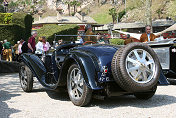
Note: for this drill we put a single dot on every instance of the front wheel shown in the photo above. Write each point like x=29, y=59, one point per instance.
x=79, y=93
x=26, y=78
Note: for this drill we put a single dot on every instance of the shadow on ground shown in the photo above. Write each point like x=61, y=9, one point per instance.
x=60, y=94
x=124, y=101
x=5, y=111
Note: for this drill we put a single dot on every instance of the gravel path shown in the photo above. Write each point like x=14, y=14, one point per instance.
x=15, y=103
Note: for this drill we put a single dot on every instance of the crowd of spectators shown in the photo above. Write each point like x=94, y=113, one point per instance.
x=9, y=52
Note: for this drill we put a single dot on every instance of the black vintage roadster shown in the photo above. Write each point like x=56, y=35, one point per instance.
x=100, y=70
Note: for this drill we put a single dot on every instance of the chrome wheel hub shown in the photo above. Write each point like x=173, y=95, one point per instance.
x=76, y=84
x=23, y=76
x=140, y=66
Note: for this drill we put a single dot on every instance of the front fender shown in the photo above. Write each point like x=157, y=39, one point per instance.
x=36, y=66
x=87, y=66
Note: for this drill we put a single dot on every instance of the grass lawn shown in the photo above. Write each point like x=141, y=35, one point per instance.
x=101, y=14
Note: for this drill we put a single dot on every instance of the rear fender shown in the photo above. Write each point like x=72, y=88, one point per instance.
x=87, y=67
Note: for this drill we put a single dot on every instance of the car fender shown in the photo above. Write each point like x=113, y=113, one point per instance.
x=87, y=66
x=36, y=66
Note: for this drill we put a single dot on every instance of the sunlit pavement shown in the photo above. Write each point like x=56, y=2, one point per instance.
x=15, y=103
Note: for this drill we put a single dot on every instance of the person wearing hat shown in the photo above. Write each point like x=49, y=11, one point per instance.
x=90, y=32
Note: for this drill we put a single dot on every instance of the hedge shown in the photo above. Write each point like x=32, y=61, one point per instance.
x=12, y=33
x=5, y=18
x=117, y=41
x=50, y=30
x=15, y=24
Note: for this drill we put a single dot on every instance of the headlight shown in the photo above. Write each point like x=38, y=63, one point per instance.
x=164, y=56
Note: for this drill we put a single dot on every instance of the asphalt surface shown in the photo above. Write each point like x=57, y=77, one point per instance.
x=41, y=103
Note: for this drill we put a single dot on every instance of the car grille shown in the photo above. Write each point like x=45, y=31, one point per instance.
x=164, y=56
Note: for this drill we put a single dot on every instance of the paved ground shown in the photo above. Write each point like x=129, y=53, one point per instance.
x=14, y=103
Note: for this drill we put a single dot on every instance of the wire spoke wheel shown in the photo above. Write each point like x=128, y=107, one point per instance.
x=78, y=91
x=26, y=78
x=140, y=66
x=76, y=84
x=135, y=67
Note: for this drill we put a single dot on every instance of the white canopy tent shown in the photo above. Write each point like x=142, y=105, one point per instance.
x=137, y=36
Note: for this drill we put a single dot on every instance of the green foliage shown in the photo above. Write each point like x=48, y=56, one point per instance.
x=49, y=31
x=121, y=14
x=25, y=21
x=12, y=33
x=19, y=26
x=1, y=9
x=117, y=41
x=113, y=13
x=5, y=18
x=171, y=10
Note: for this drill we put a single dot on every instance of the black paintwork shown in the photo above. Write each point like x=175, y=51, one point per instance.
x=90, y=58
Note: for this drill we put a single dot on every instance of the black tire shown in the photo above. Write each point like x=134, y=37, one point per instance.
x=123, y=78
x=26, y=78
x=85, y=98
x=145, y=95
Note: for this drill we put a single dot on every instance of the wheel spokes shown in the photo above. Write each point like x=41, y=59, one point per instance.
x=140, y=65
x=137, y=55
x=76, y=83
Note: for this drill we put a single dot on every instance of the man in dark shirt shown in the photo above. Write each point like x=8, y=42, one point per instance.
x=31, y=42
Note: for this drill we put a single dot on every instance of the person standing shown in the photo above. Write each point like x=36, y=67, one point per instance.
x=31, y=42
x=46, y=44
x=1, y=47
x=8, y=50
x=15, y=48
x=39, y=46
x=148, y=36
x=23, y=47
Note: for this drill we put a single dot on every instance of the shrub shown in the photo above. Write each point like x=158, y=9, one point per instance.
x=19, y=26
x=12, y=33
x=121, y=14
x=49, y=31
x=5, y=18
x=117, y=41
x=25, y=21
x=1, y=9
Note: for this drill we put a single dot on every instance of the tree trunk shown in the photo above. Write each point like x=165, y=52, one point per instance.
x=148, y=13
x=69, y=9
x=74, y=9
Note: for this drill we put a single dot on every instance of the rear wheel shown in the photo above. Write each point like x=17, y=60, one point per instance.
x=78, y=91
x=26, y=78
x=145, y=95
x=135, y=67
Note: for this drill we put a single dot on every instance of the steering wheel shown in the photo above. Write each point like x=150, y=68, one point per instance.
x=89, y=42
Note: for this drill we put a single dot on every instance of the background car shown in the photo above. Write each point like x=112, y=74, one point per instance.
x=94, y=70
x=166, y=52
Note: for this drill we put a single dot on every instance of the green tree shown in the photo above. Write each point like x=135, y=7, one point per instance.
x=113, y=13
x=75, y=3
x=69, y=6
x=1, y=9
